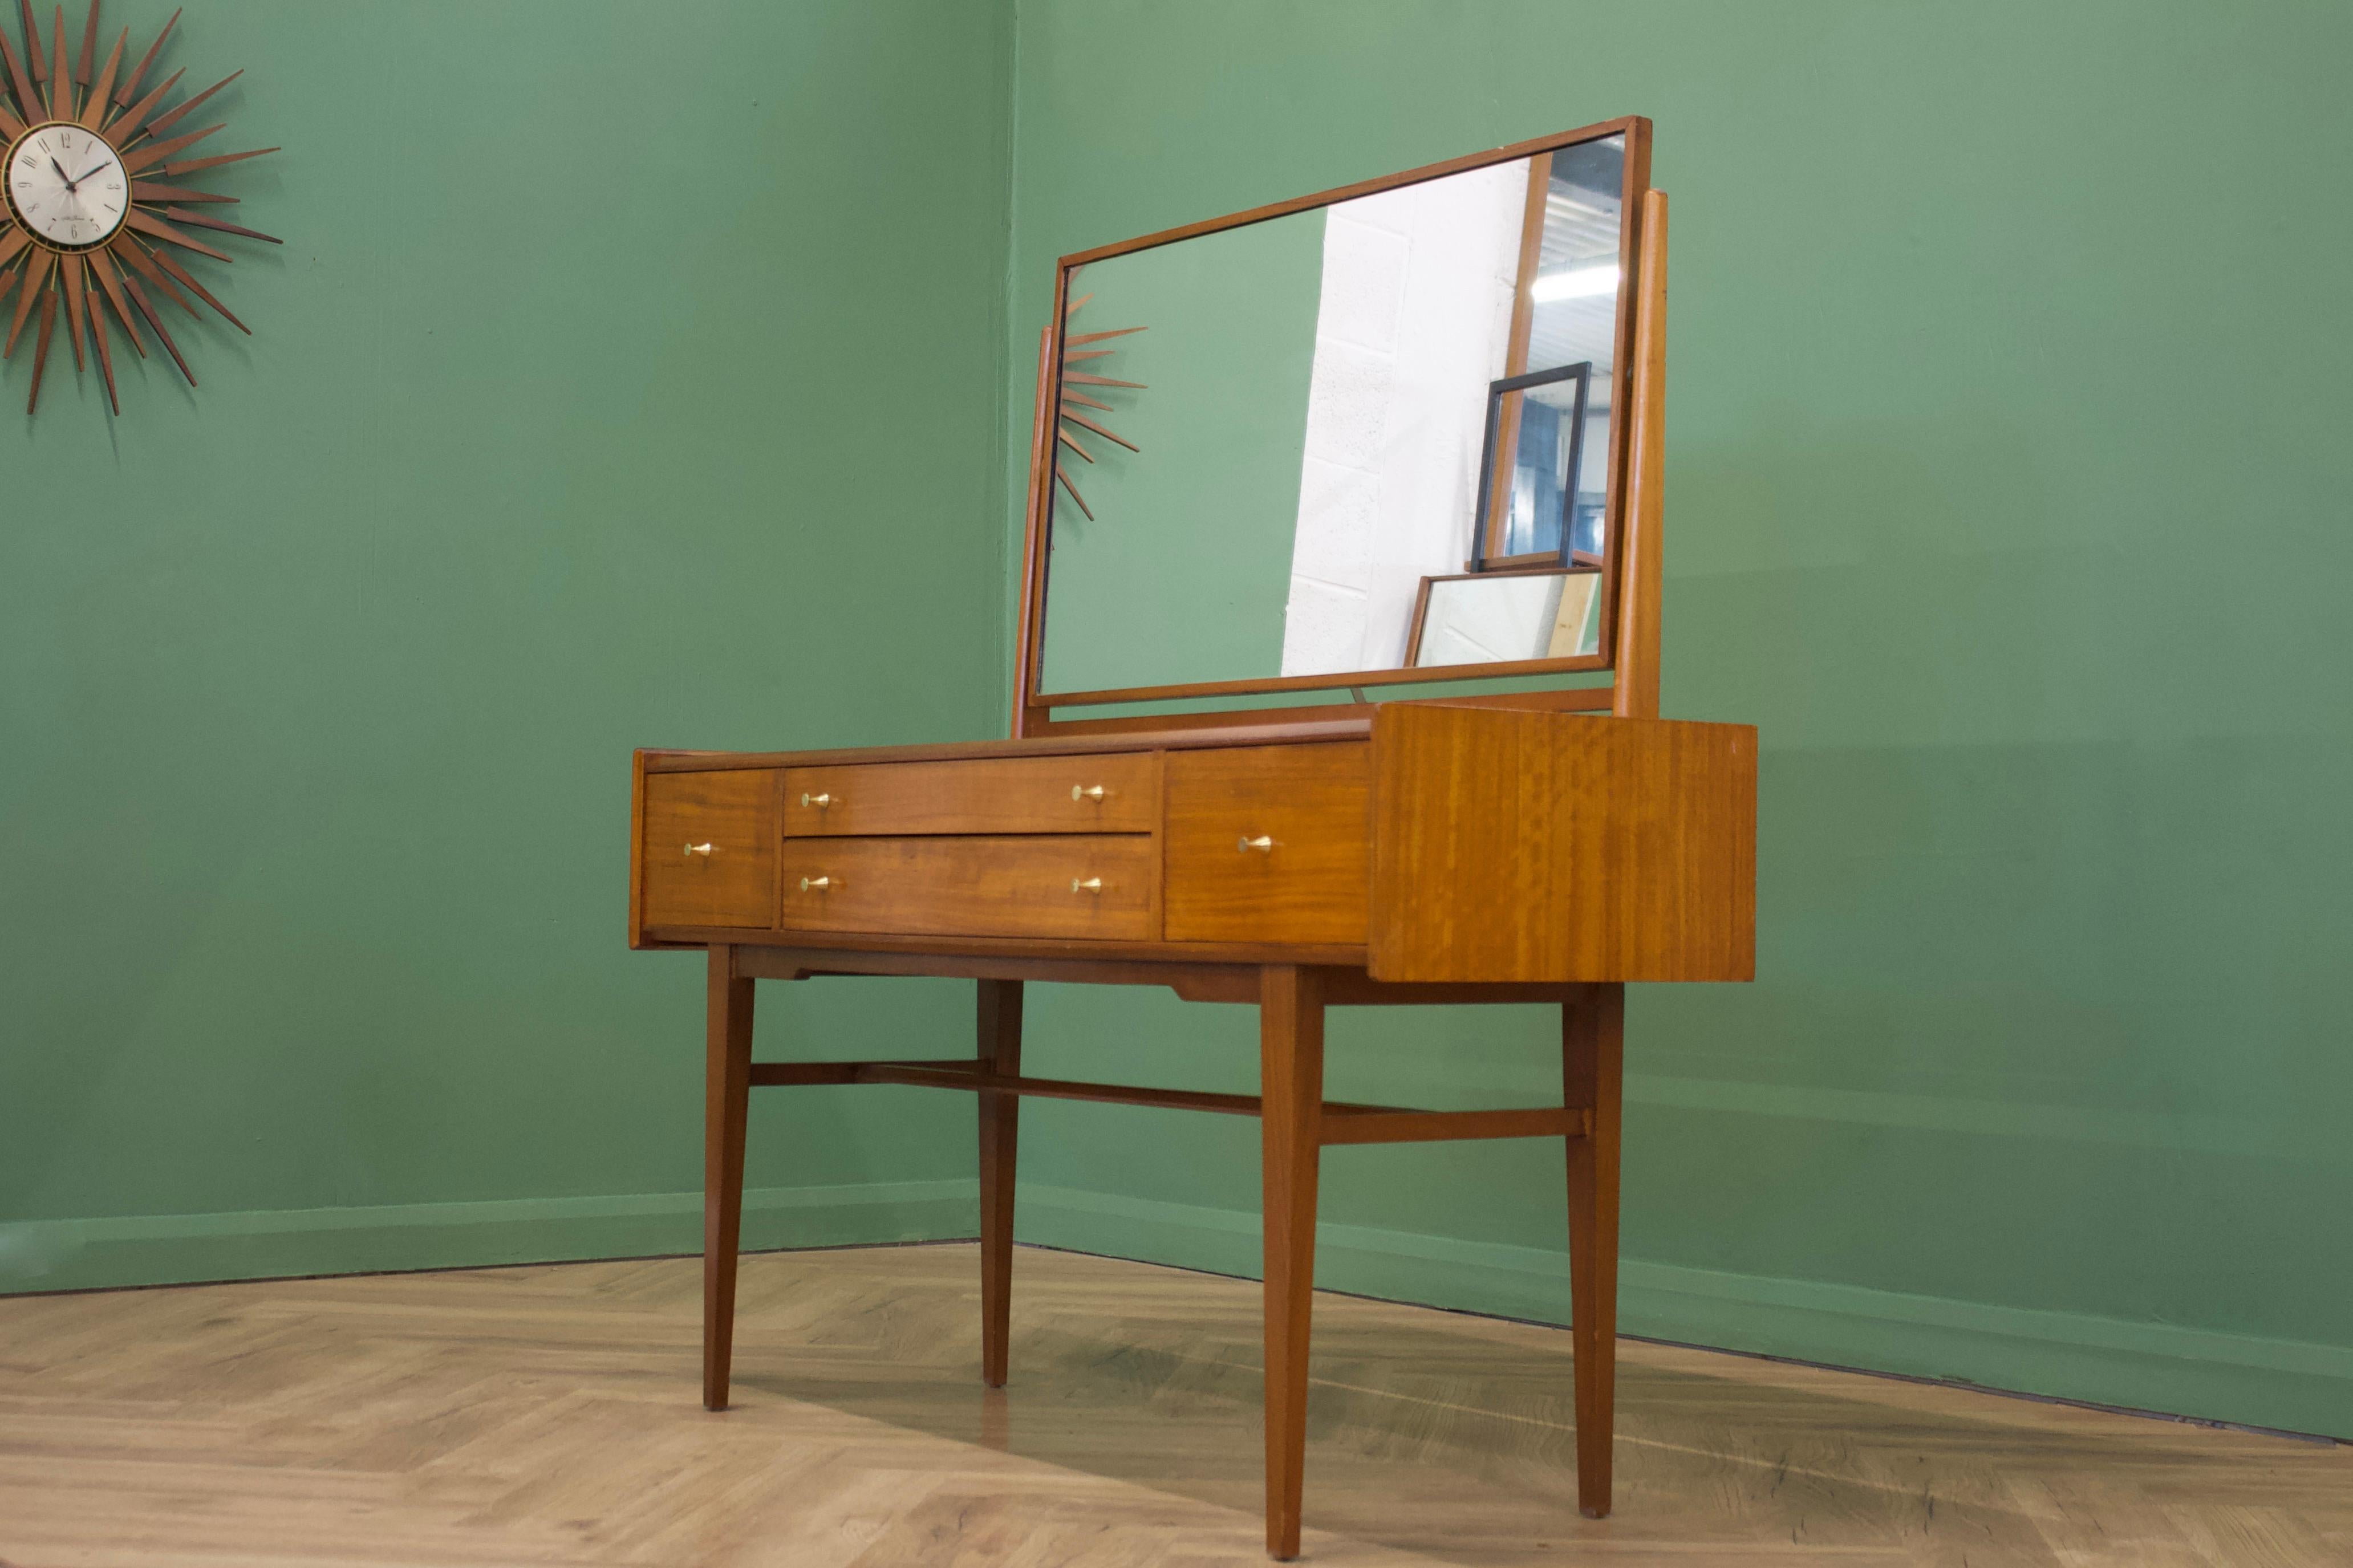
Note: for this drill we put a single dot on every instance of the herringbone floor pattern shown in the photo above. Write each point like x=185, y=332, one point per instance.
x=548, y=1415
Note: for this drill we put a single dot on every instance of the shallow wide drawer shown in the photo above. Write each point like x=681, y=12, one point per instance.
x=1071, y=887
x=1115, y=793
x=710, y=849
x=1269, y=844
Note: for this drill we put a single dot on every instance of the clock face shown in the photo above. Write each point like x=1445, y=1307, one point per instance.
x=66, y=186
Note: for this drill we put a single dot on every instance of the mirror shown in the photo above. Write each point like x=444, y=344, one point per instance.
x=1362, y=436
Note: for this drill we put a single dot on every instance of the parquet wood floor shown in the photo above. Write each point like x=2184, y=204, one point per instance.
x=550, y=1416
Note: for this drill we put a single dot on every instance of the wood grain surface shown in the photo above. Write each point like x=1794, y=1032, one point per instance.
x=974, y=886
x=548, y=1415
x=1309, y=884
x=998, y=795
x=736, y=883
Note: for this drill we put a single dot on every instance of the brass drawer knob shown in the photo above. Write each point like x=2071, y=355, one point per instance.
x=1261, y=843
x=819, y=884
x=1079, y=794
x=693, y=849
x=1091, y=885
x=822, y=802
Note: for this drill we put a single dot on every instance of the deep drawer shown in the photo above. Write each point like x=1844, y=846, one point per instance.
x=710, y=849
x=1116, y=793
x=1075, y=885
x=1269, y=844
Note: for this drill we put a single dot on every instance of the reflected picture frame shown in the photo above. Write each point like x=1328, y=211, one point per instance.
x=1498, y=425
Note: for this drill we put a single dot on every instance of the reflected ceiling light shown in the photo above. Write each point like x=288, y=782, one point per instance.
x=1578, y=283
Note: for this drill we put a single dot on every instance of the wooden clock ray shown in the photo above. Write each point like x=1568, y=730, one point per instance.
x=93, y=207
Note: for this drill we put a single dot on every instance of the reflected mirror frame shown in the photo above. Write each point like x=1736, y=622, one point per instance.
x=1497, y=391
x=1029, y=656
x=1421, y=606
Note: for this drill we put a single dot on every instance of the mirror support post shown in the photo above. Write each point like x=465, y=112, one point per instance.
x=1637, y=689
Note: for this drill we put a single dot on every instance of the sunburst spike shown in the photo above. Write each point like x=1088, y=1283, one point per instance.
x=70, y=266
x=191, y=165
x=1059, y=475
x=1083, y=400
x=182, y=215
x=89, y=46
x=129, y=88
x=162, y=122
x=105, y=354
x=32, y=41
x=162, y=259
x=146, y=222
x=62, y=88
x=130, y=116
x=157, y=327
x=28, y=103
x=1106, y=433
x=41, y=349
x=37, y=274
x=10, y=126
x=1098, y=337
x=1083, y=377
x=146, y=191
x=1074, y=356
x=103, y=270
x=1071, y=308
x=1064, y=438
x=156, y=152
x=134, y=256
x=93, y=114
x=14, y=241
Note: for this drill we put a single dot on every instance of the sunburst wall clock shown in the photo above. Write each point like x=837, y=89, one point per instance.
x=93, y=207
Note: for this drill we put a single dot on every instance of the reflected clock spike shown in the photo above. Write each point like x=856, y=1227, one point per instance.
x=1100, y=430
x=1064, y=438
x=1081, y=398
x=1065, y=480
x=1098, y=337
x=1079, y=375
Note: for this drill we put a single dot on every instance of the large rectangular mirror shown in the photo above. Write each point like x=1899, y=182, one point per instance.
x=1290, y=448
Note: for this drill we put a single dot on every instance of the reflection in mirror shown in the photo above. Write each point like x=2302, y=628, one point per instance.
x=1493, y=618
x=1312, y=424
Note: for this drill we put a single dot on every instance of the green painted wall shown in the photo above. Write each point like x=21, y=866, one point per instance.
x=2007, y=483
x=1204, y=512
x=632, y=375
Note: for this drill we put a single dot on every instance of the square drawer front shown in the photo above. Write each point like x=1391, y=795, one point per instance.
x=731, y=883
x=974, y=887
x=1115, y=793
x=1269, y=844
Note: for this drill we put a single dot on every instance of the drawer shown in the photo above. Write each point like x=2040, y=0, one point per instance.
x=1004, y=794
x=1225, y=883
x=974, y=887
x=734, y=883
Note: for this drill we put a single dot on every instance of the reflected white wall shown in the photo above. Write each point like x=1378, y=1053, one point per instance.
x=1414, y=321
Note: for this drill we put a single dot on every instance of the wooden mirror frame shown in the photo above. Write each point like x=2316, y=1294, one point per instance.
x=1629, y=635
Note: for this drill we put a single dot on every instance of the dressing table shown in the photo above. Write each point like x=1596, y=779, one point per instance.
x=1544, y=844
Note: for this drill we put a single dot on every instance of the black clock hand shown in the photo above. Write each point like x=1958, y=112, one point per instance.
x=60, y=168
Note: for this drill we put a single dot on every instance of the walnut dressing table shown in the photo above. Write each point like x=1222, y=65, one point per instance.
x=1540, y=846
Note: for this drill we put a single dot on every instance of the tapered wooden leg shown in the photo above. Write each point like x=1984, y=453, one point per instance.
x=727, y=1083
x=1593, y=1038
x=1000, y=1052
x=1291, y=1082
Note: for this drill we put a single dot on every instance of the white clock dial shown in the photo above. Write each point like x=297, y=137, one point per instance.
x=66, y=186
